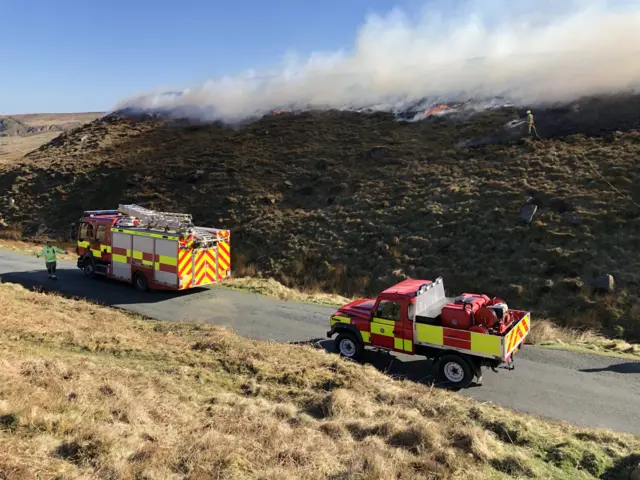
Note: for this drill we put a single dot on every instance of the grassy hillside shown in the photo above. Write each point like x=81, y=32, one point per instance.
x=21, y=134
x=87, y=391
x=349, y=203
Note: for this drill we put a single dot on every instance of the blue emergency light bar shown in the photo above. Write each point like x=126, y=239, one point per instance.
x=91, y=213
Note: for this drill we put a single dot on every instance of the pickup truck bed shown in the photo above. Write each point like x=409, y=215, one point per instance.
x=430, y=315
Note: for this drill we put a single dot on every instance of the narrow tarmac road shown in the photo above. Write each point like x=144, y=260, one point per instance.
x=586, y=390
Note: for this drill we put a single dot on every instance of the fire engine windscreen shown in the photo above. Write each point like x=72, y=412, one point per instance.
x=430, y=296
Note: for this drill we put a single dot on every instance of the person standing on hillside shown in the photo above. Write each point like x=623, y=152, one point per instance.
x=50, y=258
x=530, y=123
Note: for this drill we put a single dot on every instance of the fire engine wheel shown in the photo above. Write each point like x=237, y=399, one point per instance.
x=140, y=282
x=455, y=371
x=349, y=346
x=89, y=268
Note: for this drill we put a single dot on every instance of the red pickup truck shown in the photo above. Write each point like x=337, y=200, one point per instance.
x=415, y=317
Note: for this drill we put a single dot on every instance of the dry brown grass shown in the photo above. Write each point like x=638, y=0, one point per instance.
x=271, y=288
x=14, y=148
x=48, y=126
x=545, y=333
x=10, y=240
x=58, y=119
x=92, y=392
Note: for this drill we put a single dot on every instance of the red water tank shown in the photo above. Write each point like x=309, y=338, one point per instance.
x=461, y=312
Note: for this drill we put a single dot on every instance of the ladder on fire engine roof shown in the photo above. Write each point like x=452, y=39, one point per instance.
x=155, y=219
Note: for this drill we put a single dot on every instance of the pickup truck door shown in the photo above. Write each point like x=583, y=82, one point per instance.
x=388, y=326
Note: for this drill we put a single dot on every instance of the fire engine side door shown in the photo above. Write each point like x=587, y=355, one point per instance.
x=103, y=241
x=84, y=238
x=98, y=240
x=386, y=322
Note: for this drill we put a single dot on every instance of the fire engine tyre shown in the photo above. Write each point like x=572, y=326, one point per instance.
x=349, y=346
x=140, y=282
x=455, y=371
x=89, y=268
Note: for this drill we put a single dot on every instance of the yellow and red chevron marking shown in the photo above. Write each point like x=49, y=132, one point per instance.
x=200, y=269
x=518, y=333
x=185, y=267
x=224, y=259
x=210, y=258
x=205, y=270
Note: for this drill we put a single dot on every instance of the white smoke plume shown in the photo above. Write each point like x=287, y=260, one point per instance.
x=464, y=50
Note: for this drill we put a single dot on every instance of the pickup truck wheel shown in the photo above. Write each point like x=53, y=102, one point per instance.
x=349, y=346
x=455, y=371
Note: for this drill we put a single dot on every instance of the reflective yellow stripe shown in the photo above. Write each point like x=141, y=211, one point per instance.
x=119, y=258
x=83, y=244
x=339, y=319
x=96, y=253
x=145, y=234
x=385, y=321
x=106, y=247
x=168, y=260
x=382, y=329
x=137, y=255
x=157, y=264
x=490, y=344
x=366, y=337
x=402, y=344
x=429, y=334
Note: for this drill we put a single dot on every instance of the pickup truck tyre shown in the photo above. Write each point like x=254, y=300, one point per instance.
x=455, y=371
x=349, y=346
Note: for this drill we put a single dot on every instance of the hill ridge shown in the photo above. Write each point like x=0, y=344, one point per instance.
x=349, y=202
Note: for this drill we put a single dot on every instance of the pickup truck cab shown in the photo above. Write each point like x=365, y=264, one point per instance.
x=415, y=317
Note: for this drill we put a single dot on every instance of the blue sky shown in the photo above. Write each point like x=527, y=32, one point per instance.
x=66, y=56
x=72, y=55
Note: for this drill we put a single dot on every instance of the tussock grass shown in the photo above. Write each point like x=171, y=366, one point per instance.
x=92, y=392
x=547, y=334
x=272, y=288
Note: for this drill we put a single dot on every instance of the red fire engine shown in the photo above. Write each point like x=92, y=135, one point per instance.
x=151, y=249
x=414, y=317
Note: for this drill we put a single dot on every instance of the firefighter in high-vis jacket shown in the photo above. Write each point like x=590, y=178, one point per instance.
x=50, y=259
x=530, y=123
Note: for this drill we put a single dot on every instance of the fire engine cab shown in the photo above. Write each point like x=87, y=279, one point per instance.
x=152, y=249
x=415, y=317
